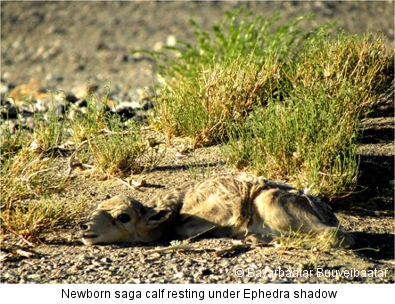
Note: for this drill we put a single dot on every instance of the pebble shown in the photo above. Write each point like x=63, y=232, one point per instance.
x=105, y=260
x=16, y=112
x=9, y=111
x=33, y=276
x=81, y=103
x=80, y=91
x=52, y=77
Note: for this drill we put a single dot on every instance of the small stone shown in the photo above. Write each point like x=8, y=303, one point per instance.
x=179, y=155
x=41, y=106
x=3, y=88
x=125, y=110
x=10, y=274
x=82, y=90
x=138, y=183
x=60, y=110
x=35, y=145
x=147, y=104
x=206, y=272
x=101, y=45
x=78, y=67
x=33, y=276
x=71, y=98
x=29, y=122
x=9, y=112
x=52, y=77
x=171, y=40
x=105, y=260
x=134, y=105
x=179, y=275
x=81, y=103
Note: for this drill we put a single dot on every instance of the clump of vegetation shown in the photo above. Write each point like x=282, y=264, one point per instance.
x=210, y=86
x=237, y=37
x=205, y=107
x=30, y=180
x=311, y=135
x=33, y=173
x=107, y=145
x=32, y=218
x=283, y=103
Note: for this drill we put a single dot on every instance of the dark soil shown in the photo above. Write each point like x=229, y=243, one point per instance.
x=64, y=44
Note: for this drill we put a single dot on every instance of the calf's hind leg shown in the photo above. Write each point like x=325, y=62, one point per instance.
x=285, y=211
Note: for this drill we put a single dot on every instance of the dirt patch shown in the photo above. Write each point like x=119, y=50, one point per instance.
x=63, y=44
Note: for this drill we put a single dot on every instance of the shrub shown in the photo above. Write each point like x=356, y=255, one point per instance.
x=215, y=83
x=283, y=103
x=310, y=136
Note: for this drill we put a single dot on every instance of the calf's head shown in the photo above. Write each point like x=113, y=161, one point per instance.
x=122, y=219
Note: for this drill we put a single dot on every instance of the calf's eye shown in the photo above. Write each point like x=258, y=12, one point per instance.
x=124, y=218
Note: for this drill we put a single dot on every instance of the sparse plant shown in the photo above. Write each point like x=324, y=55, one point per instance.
x=32, y=177
x=28, y=181
x=283, y=103
x=294, y=239
x=12, y=143
x=237, y=36
x=28, y=175
x=30, y=219
x=109, y=146
x=118, y=152
x=203, y=108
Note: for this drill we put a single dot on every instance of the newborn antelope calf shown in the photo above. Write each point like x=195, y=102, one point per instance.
x=239, y=207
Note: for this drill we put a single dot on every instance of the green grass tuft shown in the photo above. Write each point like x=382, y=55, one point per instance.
x=283, y=103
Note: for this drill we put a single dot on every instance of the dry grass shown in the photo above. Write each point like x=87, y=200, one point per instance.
x=33, y=174
x=204, y=107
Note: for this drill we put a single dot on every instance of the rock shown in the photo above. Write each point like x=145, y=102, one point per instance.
x=121, y=58
x=60, y=110
x=3, y=88
x=112, y=103
x=33, y=276
x=147, y=104
x=10, y=275
x=78, y=67
x=71, y=98
x=105, y=260
x=125, y=111
x=52, y=77
x=28, y=123
x=179, y=275
x=206, y=272
x=31, y=91
x=171, y=40
x=42, y=105
x=81, y=103
x=82, y=90
x=134, y=105
x=140, y=115
x=9, y=127
x=9, y=112
x=101, y=45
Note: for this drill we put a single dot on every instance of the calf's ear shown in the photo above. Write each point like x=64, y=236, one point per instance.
x=158, y=218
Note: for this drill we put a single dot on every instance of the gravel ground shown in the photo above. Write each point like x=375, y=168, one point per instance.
x=61, y=45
